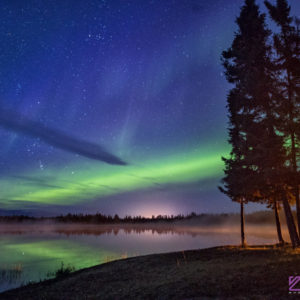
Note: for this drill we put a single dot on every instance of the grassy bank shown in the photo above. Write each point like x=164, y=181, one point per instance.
x=222, y=272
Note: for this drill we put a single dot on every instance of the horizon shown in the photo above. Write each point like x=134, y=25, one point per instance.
x=192, y=213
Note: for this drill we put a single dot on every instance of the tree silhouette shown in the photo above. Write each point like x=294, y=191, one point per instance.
x=251, y=172
x=287, y=46
x=245, y=63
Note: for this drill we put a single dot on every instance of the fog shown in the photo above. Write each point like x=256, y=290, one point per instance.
x=188, y=228
x=32, y=250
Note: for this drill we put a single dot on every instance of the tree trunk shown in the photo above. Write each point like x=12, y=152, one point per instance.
x=297, y=207
x=243, y=242
x=293, y=149
x=278, y=225
x=296, y=186
x=290, y=223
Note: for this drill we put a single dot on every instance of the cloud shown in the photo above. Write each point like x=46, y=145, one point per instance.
x=19, y=124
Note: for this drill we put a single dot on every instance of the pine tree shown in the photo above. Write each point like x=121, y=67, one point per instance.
x=240, y=62
x=251, y=173
x=287, y=45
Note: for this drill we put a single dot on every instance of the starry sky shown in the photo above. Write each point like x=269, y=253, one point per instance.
x=140, y=80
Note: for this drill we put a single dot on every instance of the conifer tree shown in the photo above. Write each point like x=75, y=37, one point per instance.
x=251, y=173
x=287, y=45
x=239, y=61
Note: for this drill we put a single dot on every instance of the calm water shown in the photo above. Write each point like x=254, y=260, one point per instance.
x=30, y=252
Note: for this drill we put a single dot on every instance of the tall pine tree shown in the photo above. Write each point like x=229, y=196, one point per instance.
x=251, y=173
x=239, y=61
x=287, y=45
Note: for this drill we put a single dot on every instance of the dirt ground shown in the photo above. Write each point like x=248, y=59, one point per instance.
x=215, y=273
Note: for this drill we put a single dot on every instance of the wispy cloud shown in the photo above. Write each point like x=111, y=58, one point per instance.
x=19, y=124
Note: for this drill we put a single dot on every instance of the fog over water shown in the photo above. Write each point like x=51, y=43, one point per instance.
x=32, y=251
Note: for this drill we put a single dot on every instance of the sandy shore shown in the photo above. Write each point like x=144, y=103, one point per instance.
x=215, y=273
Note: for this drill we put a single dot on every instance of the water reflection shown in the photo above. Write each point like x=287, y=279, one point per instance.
x=29, y=252
x=11, y=274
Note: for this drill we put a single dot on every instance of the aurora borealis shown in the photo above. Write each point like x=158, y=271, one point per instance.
x=141, y=78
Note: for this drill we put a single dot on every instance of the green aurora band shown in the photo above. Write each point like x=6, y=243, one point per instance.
x=91, y=180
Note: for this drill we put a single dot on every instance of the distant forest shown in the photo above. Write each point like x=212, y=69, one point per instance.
x=259, y=217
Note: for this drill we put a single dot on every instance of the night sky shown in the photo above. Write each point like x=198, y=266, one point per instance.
x=141, y=79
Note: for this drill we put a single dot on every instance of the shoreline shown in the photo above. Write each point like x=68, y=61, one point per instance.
x=227, y=272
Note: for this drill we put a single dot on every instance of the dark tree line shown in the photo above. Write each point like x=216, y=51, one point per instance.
x=258, y=217
x=99, y=218
x=264, y=114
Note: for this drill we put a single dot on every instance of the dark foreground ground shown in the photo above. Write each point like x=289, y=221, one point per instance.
x=214, y=273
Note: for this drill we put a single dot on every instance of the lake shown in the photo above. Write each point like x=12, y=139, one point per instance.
x=32, y=252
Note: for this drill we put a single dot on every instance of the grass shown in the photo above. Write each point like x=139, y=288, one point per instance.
x=11, y=274
x=62, y=271
x=259, y=272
